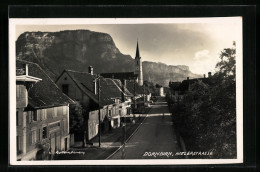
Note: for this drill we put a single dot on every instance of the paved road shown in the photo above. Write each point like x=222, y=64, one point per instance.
x=155, y=135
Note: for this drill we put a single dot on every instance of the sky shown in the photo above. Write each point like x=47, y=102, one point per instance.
x=195, y=44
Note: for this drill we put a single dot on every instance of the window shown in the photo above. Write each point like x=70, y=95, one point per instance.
x=33, y=136
x=65, y=89
x=35, y=118
x=128, y=111
x=109, y=113
x=116, y=122
x=119, y=112
x=44, y=132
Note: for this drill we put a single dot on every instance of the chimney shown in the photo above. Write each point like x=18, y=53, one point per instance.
x=90, y=70
x=204, y=75
x=26, y=69
x=95, y=86
x=188, y=79
x=209, y=74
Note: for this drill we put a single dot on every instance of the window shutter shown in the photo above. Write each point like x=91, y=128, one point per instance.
x=27, y=118
x=39, y=135
x=38, y=115
x=20, y=117
x=30, y=116
x=30, y=137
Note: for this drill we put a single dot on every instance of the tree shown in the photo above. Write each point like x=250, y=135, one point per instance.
x=78, y=121
x=226, y=68
x=207, y=119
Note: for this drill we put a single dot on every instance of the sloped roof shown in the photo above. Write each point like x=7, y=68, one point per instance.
x=118, y=84
x=44, y=93
x=113, y=90
x=134, y=87
x=85, y=82
x=184, y=86
x=120, y=75
x=174, y=85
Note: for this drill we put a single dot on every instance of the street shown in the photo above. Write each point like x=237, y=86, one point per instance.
x=154, y=139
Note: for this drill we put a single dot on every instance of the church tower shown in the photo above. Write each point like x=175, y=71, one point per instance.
x=138, y=66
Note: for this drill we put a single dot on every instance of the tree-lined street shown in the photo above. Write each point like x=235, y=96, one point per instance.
x=155, y=136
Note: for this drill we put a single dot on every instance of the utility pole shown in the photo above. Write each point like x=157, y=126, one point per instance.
x=99, y=115
x=144, y=93
x=134, y=95
x=124, y=121
x=124, y=138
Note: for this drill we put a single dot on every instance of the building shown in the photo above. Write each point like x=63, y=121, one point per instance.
x=23, y=84
x=161, y=91
x=138, y=66
x=177, y=90
x=175, y=93
x=111, y=98
x=43, y=123
x=138, y=93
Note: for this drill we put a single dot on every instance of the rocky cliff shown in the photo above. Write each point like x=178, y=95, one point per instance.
x=78, y=49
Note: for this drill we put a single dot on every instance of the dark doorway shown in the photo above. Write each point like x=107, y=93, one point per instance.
x=66, y=144
x=40, y=154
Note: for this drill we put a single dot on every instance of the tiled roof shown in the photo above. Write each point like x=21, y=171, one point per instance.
x=44, y=93
x=85, y=82
x=174, y=85
x=120, y=75
x=184, y=86
x=134, y=87
x=113, y=90
x=109, y=88
x=117, y=83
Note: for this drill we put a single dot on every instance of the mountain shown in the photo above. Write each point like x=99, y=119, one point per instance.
x=161, y=73
x=78, y=49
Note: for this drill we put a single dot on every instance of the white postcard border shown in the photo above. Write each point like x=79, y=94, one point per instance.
x=13, y=22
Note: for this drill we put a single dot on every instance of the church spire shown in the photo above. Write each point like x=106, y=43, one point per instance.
x=137, y=50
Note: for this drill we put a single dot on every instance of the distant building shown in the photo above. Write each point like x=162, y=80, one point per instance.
x=177, y=90
x=42, y=116
x=161, y=91
x=132, y=86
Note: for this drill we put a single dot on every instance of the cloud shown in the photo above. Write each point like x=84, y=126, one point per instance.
x=202, y=55
x=204, y=62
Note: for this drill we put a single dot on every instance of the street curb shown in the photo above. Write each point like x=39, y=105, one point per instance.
x=128, y=137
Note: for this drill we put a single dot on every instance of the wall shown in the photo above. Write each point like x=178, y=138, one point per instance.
x=21, y=96
x=74, y=92
x=56, y=119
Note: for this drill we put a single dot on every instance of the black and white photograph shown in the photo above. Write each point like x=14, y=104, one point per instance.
x=130, y=91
